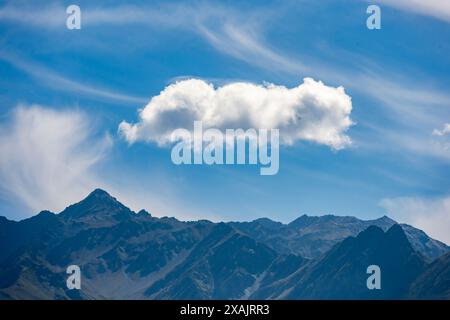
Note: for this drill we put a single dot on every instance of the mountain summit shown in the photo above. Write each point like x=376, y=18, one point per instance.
x=96, y=206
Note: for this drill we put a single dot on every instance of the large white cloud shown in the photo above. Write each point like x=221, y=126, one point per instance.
x=429, y=214
x=46, y=157
x=311, y=111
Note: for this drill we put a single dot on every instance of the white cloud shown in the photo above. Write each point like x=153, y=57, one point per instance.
x=445, y=131
x=439, y=9
x=311, y=111
x=46, y=157
x=432, y=215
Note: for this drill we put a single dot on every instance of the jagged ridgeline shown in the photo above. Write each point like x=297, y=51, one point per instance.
x=128, y=255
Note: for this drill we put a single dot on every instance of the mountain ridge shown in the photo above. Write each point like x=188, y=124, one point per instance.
x=128, y=255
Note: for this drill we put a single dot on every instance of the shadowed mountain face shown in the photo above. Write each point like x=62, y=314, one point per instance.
x=434, y=283
x=128, y=255
x=341, y=272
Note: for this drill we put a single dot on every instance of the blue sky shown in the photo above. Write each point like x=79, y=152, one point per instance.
x=63, y=94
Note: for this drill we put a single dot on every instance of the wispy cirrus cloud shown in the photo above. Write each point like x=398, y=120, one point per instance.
x=226, y=29
x=49, y=16
x=47, y=156
x=51, y=79
x=242, y=42
x=439, y=9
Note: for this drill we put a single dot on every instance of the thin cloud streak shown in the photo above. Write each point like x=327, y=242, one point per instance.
x=439, y=9
x=54, y=80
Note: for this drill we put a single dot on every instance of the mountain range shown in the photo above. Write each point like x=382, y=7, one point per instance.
x=127, y=255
